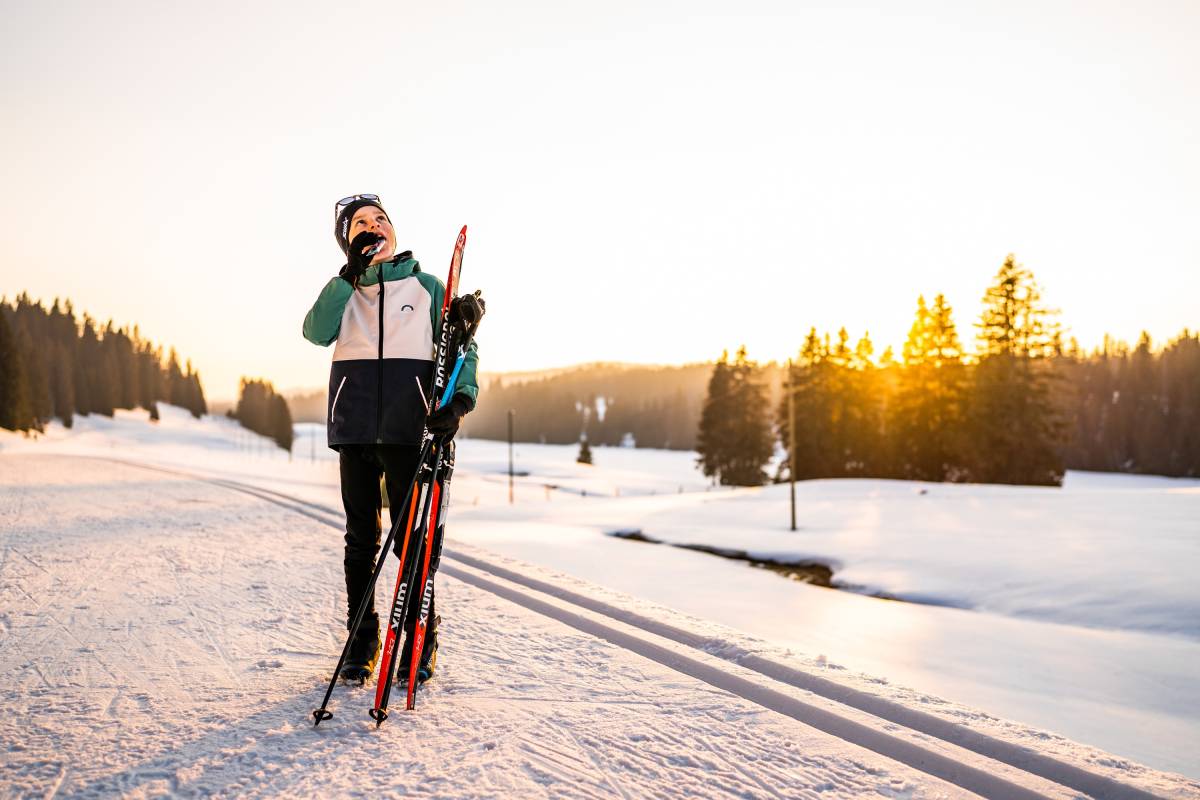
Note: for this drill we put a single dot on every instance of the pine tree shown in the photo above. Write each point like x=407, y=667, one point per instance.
x=175, y=389
x=105, y=375
x=263, y=411
x=14, y=398
x=849, y=410
x=714, y=440
x=943, y=345
x=751, y=417
x=64, y=385
x=928, y=415
x=150, y=378
x=868, y=449
x=585, y=452
x=283, y=432
x=193, y=394
x=735, y=440
x=38, y=404
x=916, y=345
x=87, y=353
x=812, y=389
x=1016, y=428
x=1150, y=431
x=64, y=338
x=1014, y=321
x=1179, y=368
x=32, y=337
x=198, y=390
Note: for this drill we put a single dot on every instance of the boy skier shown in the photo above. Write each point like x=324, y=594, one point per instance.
x=384, y=313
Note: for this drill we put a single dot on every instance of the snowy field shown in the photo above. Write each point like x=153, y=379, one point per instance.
x=1076, y=609
x=168, y=632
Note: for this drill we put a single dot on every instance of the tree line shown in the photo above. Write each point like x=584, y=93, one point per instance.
x=1136, y=409
x=1010, y=400
x=1022, y=408
x=263, y=410
x=53, y=365
x=610, y=404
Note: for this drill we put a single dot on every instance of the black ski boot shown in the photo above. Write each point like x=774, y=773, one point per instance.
x=428, y=658
x=364, y=650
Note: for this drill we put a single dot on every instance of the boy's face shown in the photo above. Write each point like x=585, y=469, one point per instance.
x=372, y=218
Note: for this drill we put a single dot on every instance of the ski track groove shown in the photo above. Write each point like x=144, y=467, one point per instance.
x=1019, y=757
x=325, y=515
x=925, y=724
x=931, y=762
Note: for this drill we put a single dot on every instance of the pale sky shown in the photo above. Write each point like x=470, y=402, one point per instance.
x=648, y=182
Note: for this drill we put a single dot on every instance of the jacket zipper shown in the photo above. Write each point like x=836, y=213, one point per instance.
x=336, y=395
x=379, y=383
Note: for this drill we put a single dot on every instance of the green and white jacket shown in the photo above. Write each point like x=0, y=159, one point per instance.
x=386, y=338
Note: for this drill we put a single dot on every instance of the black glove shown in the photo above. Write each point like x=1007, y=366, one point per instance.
x=466, y=310
x=445, y=421
x=357, y=261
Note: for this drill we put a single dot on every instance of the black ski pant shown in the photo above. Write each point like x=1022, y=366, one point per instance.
x=362, y=466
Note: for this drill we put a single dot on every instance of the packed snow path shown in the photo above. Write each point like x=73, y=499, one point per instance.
x=166, y=635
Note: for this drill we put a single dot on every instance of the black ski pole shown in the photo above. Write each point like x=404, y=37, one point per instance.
x=321, y=714
x=399, y=616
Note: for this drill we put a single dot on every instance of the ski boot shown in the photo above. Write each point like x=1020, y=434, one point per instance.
x=364, y=650
x=428, y=658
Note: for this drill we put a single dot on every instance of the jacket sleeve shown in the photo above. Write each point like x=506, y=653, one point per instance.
x=468, y=384
x=324, y=319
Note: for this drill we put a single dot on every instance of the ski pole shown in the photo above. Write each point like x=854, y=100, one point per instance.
x=321, y=714
x=432, y=555
x=379, y=713
x=393, y=633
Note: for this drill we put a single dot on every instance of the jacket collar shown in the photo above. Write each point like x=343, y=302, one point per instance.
x=398, y=266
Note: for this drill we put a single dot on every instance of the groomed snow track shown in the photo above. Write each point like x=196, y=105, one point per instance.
x=982, y=764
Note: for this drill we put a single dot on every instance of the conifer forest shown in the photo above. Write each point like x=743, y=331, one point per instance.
x=263, y=410
x=53, y=365
x=1007, y=399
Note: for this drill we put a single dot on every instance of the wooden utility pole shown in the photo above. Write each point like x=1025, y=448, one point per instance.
x=510, y=456
x=791, y=440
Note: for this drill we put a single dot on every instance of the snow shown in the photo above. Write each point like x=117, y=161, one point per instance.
x=1089, y=605
x=166, y=633
x=1106, y=551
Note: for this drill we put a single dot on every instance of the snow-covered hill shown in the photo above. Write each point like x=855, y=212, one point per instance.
x=170, y=601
